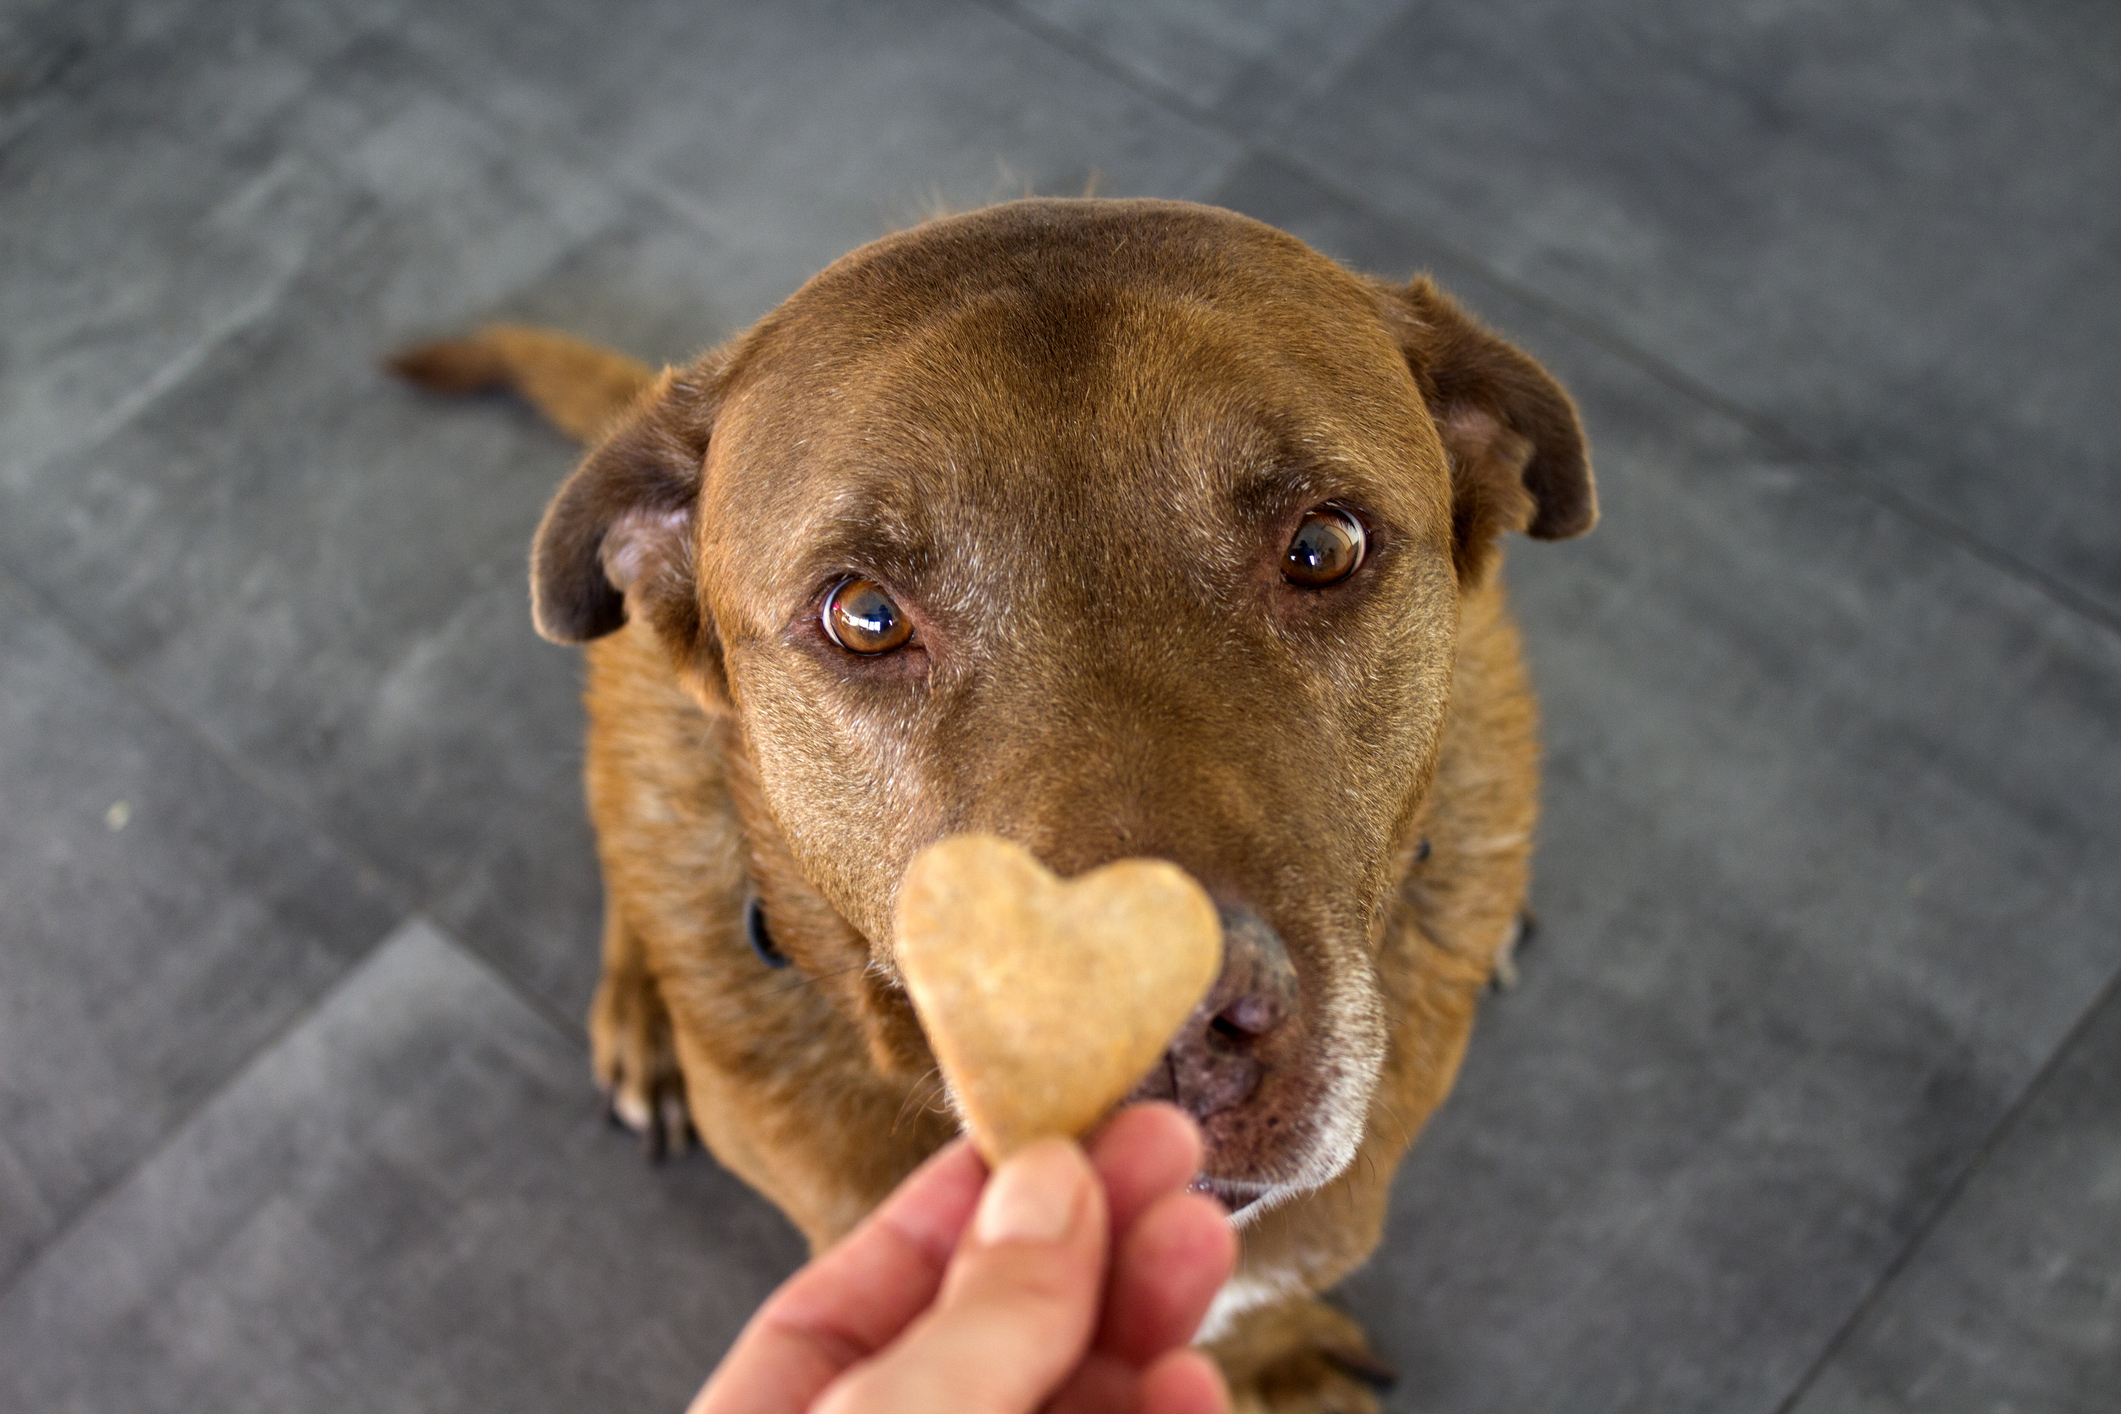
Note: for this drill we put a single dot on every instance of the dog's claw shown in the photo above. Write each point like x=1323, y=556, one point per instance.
x=674, y=1123
x=1522, y=929
x=630, y=1054
x=1363, y=1366
x=663, y=1123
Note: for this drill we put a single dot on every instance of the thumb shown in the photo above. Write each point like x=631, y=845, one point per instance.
x=1017, y=1308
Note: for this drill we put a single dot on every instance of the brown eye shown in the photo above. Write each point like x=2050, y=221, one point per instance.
x=1325, y=549
x=861, y=618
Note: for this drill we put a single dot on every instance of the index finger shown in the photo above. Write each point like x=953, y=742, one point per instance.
x=853, y=1300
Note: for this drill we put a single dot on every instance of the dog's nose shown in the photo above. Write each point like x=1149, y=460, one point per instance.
x=1220, y=1054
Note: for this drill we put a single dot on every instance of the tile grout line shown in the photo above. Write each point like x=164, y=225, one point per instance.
x=177, y=1128
x=407, y=906
x=1813, y=459
x=1083, y=51
x=623, y=178
x=1305, y=92
x=2012, y=1116
x=572, y=1028
x=408, y=903
x=167, y=381
x=573, y=1031
x=179, y=367
x=1088, y=54
x=16, y=586
x=1156, y=91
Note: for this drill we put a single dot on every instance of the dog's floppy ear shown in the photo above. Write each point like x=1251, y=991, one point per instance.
x=1519, y=460
x=617, y=540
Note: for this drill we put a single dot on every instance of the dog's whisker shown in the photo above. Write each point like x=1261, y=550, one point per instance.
x=925, y=1092
x=807, y=980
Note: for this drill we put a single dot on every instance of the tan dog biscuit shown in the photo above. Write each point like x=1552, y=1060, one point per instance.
x=1045, y=1000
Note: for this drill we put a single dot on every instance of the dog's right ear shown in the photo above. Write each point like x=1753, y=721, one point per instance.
x=617, y=540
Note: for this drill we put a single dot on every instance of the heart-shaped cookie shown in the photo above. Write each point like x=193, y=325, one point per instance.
x=1046, y=1000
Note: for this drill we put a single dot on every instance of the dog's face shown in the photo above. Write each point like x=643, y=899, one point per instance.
x=1113, y=528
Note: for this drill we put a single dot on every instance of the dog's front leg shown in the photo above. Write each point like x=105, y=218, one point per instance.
x=1299, y=1356
x=631, y=1046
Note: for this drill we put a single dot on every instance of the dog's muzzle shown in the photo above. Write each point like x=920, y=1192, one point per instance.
x=1248, y=1022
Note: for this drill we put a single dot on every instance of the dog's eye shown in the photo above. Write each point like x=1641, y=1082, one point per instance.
x=1325, y=549
x=861, y=618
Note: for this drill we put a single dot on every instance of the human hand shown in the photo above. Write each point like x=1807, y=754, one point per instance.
x=1069, y=1282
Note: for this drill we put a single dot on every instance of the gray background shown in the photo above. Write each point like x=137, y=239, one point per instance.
x=1809, y=1097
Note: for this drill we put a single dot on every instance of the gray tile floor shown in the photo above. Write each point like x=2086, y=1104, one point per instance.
x=1811, y=1098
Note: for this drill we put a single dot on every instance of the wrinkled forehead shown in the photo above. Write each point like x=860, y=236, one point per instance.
x=904, y=411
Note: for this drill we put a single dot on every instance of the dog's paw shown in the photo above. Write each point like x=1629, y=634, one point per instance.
x=1301, y=1357
x=636, y=1062
x=1522, y=930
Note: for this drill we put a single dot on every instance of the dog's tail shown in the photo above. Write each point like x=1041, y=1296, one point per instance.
x=579, y=387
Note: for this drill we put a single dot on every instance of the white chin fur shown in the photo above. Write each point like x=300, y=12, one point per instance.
x=1240, y=1294
x=1354, y=1018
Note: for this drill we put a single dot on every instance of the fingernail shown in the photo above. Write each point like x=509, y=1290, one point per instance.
x=1033, y=1197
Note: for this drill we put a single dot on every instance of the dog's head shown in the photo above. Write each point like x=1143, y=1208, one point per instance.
x=1115, y=528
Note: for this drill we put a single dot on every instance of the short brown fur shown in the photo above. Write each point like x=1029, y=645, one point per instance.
x=1020, y=391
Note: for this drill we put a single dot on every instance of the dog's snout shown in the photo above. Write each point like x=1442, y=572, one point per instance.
x=1223, y=1051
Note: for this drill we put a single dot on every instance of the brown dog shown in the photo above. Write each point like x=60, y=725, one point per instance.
x=1114, y=527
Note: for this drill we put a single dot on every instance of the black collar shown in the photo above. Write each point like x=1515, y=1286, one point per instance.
x=756, y=932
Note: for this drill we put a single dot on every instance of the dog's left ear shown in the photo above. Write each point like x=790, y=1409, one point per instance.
x=617, y=541
x=1519, y=460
